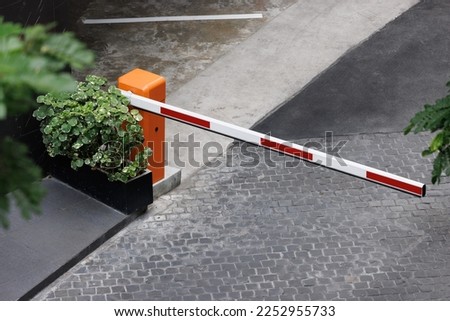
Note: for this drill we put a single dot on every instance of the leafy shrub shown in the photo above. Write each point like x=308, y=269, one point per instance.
x=20, y=177
x=93, y=126
x=435, y=118
x=32, y=61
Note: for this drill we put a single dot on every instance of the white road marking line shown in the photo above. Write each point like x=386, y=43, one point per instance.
x=173, y=18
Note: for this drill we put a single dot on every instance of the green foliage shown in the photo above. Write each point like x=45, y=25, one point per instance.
x=93, y=126
x=32, y=61
x=18, y=169
x=435, y=118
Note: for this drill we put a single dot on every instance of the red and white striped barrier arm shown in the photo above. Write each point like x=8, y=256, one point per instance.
x=298, y=151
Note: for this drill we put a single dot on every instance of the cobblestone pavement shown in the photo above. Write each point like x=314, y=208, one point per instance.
x=278, y=232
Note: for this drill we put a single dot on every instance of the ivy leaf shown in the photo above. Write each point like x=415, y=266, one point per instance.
x=40, y=113
x=136, y=114
x=77, y=145
x=79, y=162
x=72, y=122
x=47, y=129
x=66, y=128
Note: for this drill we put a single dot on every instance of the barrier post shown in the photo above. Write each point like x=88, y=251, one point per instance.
x=153, y=86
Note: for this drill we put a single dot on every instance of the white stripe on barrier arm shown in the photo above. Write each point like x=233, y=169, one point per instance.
x=276, y=144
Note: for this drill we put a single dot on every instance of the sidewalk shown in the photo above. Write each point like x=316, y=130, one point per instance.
x=35, y=252
x=281, y=230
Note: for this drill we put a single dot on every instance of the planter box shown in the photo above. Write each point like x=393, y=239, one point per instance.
x=129, y=198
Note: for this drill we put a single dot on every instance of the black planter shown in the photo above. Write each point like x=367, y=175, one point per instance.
x=129, y=198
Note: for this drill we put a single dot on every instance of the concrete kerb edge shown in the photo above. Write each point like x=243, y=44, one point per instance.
x=171, y=180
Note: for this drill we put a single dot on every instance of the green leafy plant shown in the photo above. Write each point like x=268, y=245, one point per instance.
x=19, y=176
x=93, y=126
x=32, y=61
x=435, y=118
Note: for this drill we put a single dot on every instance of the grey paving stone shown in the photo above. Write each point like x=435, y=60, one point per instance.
x=329, y=254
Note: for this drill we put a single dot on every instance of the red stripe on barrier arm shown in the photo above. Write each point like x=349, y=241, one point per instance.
x=186, y=118
x=416, y=190
x=287, y=149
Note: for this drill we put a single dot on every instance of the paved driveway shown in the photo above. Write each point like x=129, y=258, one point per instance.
x=277, y=231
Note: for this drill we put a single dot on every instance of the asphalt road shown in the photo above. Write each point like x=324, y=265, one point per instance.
x=379, y=85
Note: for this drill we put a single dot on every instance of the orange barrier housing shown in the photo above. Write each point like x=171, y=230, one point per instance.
x=153, y=86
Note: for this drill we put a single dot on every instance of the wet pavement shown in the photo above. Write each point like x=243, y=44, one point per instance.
x=179, y=50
